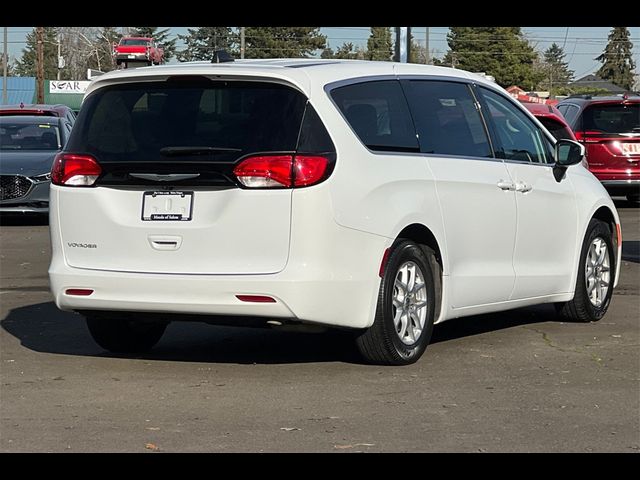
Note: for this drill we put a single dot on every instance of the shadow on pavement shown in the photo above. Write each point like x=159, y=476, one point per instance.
x=44, y=328
x=631, y=250
x=22, y=220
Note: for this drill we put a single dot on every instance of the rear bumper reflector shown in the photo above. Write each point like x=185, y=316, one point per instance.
x=255, y=298
x=82, y=292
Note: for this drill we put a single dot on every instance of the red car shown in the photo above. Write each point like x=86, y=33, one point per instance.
x=138, y=49
x=61, y=111
x=552, y=119
x=609, y=127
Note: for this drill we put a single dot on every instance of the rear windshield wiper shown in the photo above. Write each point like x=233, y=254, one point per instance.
x=171, y=151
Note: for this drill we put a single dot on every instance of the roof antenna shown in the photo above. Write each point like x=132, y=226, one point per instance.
x=221, y=56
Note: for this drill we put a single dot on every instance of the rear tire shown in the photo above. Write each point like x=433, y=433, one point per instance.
x=125, y=336
x=596, y=276
x=408, y=296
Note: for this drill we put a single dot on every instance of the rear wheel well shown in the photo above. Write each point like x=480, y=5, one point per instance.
x=422, y=235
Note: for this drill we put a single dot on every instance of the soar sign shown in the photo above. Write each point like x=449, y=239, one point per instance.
x=60, y=86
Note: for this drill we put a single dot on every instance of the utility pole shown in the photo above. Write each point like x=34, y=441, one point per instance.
x=40, y=64
x=427, y=60
x=402, y=46
x=241, y=42
x=58, y=59
x=5, y=64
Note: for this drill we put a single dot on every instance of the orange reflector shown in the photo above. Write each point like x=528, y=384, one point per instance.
x=619, y=234
x=255, y=298
x=83, y=292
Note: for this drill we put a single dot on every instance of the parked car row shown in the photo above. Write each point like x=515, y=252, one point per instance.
x=30, y=137
x=609, y=128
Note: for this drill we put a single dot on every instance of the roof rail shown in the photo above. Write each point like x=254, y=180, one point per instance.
x=586, y=96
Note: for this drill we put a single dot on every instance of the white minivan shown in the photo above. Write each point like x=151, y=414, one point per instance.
x=372, y=196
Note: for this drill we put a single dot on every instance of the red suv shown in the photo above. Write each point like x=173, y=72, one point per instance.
x=609, y=127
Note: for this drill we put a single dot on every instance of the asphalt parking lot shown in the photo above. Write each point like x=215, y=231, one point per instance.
x=515, y=381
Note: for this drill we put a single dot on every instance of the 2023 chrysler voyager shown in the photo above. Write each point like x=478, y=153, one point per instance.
x=377, y=197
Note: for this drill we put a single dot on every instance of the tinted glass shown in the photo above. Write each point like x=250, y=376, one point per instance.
x=518, y=138
x=447, y=119
x=314, y=137
x=557, y=129
x=378, y=113
x=25, y=136
x=569, y=112
x=133, y=42
x=227, y=119
x=612, y=118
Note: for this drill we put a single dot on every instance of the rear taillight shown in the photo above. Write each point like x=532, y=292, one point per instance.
x=586, y=136
x=74, y=170
x=267, y=171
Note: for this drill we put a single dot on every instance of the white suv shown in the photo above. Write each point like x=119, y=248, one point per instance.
x=373, y=196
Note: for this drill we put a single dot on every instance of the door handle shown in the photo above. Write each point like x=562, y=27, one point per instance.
x=507, y=186
x=523, y=187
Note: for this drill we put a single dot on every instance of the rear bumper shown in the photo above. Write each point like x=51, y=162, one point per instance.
x=331, y=278
x=132, y=57
x=622, y=187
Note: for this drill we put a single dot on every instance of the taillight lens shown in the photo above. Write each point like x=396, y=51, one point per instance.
x=74, y=170
x=267, y=171
x=585, y=136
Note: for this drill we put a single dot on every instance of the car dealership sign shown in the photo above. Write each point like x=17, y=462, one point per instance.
x=62, y=86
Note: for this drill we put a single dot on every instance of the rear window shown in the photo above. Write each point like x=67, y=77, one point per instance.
x=188, y=119
x=557, y=129
x=134, y=42
x=612, y=118
x=24, y=136
x=378, y=113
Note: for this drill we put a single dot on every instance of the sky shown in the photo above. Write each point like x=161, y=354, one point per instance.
x=581, y=44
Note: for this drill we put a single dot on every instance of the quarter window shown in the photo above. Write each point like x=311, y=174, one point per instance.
x=569, y=112
x=518, y=139
x=378, y=113
x=447, y=119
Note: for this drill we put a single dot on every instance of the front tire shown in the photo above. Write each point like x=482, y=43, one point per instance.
x=125, y=336
x=596, y=272
x=406, y=307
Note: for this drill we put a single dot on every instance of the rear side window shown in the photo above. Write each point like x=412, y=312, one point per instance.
x=378, y=113
x=143, y=121
x=569, y=112
x=612, y=118
x=447, y=120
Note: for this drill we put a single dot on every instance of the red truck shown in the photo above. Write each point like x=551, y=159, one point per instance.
x=135, y=50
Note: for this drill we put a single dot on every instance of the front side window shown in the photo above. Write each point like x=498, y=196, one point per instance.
x=518, y=138
x=378, y=113
x=447, y=120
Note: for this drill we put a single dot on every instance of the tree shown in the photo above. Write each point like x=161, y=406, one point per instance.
x=105, y=39
x=379, y=44
x=555, y=69
x=617, y=62
x=26, y=66
x=502, y=52
x=160, y=36
x=202, y=42
x=282, y=42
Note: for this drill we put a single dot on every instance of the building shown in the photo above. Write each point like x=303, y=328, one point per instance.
x=595, y=82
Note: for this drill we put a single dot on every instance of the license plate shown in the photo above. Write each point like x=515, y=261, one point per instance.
x=631, y=148
x=167, y=206
x=131, y=56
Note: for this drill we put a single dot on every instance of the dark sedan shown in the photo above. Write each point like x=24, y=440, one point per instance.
x=28, y=145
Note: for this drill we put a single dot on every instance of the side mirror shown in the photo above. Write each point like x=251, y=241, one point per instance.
x=568, y=152
x=160, y=45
